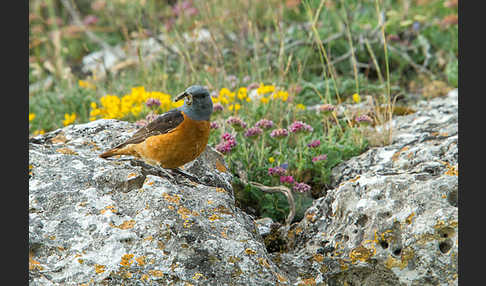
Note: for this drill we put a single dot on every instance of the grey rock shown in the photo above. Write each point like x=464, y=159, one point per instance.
x=392, y=217
x=120, y=221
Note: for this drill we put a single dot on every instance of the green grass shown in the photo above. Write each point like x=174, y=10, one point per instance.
x=303, y=46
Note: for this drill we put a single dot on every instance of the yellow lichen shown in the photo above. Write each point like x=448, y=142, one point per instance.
x=184, y=212
x=409, y=218
x=361, y=253
x=263, y=262
x=214, y=217
x=197, y=275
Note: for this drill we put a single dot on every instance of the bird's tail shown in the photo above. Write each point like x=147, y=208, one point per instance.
x=126, y=150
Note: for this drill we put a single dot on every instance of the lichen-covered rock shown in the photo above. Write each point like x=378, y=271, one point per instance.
x=392, y=218
x=119, y=221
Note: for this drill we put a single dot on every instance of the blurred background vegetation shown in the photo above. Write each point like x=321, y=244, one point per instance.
x=319, y=51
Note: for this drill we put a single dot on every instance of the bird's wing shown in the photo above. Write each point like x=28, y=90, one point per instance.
x=164, y=123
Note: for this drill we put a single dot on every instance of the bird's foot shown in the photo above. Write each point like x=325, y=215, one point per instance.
x=184, y=174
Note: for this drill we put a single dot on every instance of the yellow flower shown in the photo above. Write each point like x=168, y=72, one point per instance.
x=69, y=118
x=264, y=99
x=271, y=159
x=248, y=99
x=300, y=106
x=224, y=92
x=356, y=98
x=37, y=132
x=86, y=84
x=264, y=89
x=236, y=107
x=242, y=93
x=31, y=116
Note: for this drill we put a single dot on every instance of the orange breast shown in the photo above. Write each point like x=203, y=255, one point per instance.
x=178, y=147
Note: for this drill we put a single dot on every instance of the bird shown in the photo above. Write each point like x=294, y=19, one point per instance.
x=175, y=137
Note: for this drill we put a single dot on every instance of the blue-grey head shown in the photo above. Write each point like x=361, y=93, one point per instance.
x=197, y=102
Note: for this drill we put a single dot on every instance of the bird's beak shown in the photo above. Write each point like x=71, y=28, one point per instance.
x=180, y=96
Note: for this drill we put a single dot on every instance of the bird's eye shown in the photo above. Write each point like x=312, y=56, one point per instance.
x=189, y=99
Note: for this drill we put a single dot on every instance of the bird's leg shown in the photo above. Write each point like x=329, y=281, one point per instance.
x=190, y=177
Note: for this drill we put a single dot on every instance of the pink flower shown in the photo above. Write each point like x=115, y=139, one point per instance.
x=253, y=85
x=264, y=123
x=152, y=102
x=286, y=179
x=214, y=125
x=253, y=132
x=314, y=144
x=297, y=126
x=227, y=144
x=217, y=107
x=319, y=158
x=227, y=136
x=279, y=133
x=301, y=187
x=278, y=171
x=363, y=120
x=236, y=122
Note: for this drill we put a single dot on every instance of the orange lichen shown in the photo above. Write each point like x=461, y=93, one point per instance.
x=184, y=212
x=318, y=257
x=59, y=138
x=131, y=175
x=66, y=151
x=281, y=278
x=308, y=281
x=99, y=268
x=156, y=273
x=34, y=264
x=126, y=260
x=250, y=251
x=125, y=225
x=311, y=216
x=397, y=154
x=220, y=190
x=451, y=170
x=110, y=208
x=171, y=199
x=222, y=209
x=140, y=260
